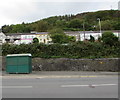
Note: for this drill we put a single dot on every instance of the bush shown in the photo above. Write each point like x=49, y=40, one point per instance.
x=35, y=40
x=109, y=38
x=73, y=50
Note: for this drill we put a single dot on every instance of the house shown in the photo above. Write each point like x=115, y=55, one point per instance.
x=27, y=38
x=117, y=33
x=85, y=35
x=13, y=38
x=19, y=38
x=43, y=37
x=80, y=35
x=2, y=38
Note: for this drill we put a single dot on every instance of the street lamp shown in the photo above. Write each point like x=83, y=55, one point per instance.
x=99, y=24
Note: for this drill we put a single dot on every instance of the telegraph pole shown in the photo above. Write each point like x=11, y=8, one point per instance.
x=84, y=30
x=99, y=24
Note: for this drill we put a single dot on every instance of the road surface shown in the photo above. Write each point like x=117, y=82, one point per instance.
x=92, y=86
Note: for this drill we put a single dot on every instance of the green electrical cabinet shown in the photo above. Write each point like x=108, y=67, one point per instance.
x=19, y=63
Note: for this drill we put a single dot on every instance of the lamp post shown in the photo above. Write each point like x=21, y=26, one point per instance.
x=99, y=24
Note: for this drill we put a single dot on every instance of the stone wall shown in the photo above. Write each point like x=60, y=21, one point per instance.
x=67, y=64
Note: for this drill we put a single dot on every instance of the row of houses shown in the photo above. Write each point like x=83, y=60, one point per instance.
x=43, y=37
x=25, y=38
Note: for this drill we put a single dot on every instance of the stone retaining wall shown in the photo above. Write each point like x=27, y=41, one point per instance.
x=67, y=64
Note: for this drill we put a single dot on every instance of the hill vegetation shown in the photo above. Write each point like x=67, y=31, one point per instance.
x=110, y=20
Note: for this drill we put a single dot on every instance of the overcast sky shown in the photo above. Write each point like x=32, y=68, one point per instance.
x=18, y=11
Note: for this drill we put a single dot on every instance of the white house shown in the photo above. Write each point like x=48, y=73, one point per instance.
x=27, y=38
x=87, y=34
x=2, y=38
x=119, y=5
x=80, y=35
x=13, y=38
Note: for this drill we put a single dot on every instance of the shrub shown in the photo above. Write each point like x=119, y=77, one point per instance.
x=109, y=38
x=73, y=50
x=35, y=40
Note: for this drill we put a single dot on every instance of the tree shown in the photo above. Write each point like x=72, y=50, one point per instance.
x=116, y=24
x=59, y=38
x=56, y=31
x=72, y=38
x=35, y=40
x=75, y=23
x=92, y=39
x=106, y=25
x=109, y=38
x=6, y=28
x=41, y=26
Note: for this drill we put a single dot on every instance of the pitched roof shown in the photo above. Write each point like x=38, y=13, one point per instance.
x=14, y=34
x=42, y=32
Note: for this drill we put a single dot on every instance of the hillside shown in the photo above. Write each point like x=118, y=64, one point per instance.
x=110, y=20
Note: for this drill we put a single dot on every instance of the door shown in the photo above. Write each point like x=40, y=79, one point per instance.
x=23, y=65
x=12, y=65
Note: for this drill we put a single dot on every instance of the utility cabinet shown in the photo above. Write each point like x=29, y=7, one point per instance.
x=19, y=63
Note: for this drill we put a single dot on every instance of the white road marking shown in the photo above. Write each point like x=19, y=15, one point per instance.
x=7, y=87
x=94, y=85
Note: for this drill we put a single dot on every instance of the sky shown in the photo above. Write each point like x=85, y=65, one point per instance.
x=18, y=11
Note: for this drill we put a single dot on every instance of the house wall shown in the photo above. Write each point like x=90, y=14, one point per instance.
x=43, y=38
x=2, y=38
x=87, y=36
x=26, y=39
x=79, y=35
x=12, y=38
x=117, y=34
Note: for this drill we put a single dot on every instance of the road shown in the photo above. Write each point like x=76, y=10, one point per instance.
x=61, y=87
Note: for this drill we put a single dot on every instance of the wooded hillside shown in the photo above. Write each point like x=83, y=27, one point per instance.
x=110, y=20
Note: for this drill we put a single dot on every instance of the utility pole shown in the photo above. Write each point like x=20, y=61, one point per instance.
x=99, y=24
x=84, y=30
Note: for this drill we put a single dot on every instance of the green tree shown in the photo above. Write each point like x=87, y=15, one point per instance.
x=109, y=38
x=116, y=24
x=41, y=26
x=75, y=23
x=71, y=38
x=92, y=39
x=35, y=40
x=59, y=38
x=56, y=31
x=6, y=28
x=106, y=25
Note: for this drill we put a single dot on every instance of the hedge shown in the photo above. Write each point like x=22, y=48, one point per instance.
x=74, y=50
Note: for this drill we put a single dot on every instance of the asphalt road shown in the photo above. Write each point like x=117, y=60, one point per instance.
x=74, y=87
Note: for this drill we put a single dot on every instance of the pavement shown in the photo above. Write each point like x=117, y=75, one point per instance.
x=59, y=74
